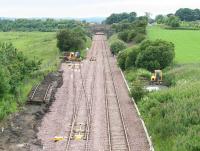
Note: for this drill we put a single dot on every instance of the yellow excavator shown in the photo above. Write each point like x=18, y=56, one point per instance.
x=71, y=56
x=157, y=77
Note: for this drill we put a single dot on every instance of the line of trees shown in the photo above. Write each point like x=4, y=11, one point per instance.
x=169, y=20
x=187, y=14
x=182, y=14
x=116, y=18
x=127, y=31
x=44, y=25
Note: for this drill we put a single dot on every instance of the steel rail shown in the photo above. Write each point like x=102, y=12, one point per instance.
x=106, y=103
x=90, y=103
x=117, y=98
x=76, y=107
x=32, y=96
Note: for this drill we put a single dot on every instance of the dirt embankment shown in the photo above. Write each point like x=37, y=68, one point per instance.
x=19, y=132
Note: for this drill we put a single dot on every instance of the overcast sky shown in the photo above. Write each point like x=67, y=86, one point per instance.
x=89, y=8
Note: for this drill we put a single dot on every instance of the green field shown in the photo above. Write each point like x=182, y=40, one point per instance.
x=187, y=42
x=38, y=45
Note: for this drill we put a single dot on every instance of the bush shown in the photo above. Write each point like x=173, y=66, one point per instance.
x=117, y=46
x=173, y=21
x=132, y=35
x=137, y=90
x=131, y=58
x=141, y=30
x=4, y=82
x=121, y=59
x=14, y=69
x=169, y=79
x=16, y=64
x=137, y=74
x=139, y=38
x=155, y=55
x=124, y=35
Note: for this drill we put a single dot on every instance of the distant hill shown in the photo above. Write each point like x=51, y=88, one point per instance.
x=93, y=19
x=88, y=19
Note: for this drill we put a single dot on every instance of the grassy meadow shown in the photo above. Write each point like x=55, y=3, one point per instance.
x=38, y=45
x=172, y=115
x=187, y=42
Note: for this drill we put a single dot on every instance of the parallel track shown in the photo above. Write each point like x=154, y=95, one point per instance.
x=37, y=96
x=89, y=104
x=112, y=136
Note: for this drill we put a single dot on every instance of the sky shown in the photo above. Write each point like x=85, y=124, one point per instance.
x=89, y=8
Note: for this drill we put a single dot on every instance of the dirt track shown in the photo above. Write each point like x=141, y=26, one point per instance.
x=91, y=98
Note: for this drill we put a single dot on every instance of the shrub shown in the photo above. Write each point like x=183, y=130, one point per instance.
x=155, y=55
x=139, y=38
x=121, y=59
x=4, y=82
x=169, y=79
x=173, y=21
x=131, y=58
x=132, y=35
x=124, y=35
x=137, y=90
x=141, y=30
x=117, y=46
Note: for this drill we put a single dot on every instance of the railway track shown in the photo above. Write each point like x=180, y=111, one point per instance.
x=92, y=109
x=116, y=128
x=82, y=109
x=40, y=93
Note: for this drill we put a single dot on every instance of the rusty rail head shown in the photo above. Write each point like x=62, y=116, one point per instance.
x=32, y=96
x=46, y=93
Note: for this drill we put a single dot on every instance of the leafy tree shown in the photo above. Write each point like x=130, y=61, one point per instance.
x=116, y=18
x=124, y=35
x=131, y=58
x=173, y=21
x=132, y=34
x=155, y=55
x=71, y=40
x=64, y=41
x=160, y=19
x=139, y=38
x=187, y=14
x=117, y=46
x=132, y=16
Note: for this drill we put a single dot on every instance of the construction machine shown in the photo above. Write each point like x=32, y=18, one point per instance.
x=157, y=77
x=71, y=56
